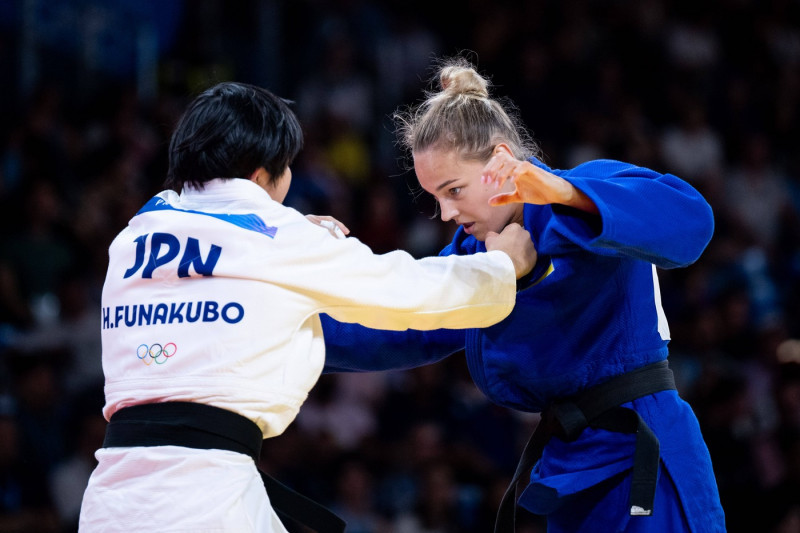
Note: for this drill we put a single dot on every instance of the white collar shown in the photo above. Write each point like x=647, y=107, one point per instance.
x=237, y=192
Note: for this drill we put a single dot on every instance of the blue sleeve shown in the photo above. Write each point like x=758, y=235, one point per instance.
x=354, y=348
x=654, y=217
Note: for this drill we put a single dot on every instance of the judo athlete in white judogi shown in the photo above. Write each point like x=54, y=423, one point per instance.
x=211, y=303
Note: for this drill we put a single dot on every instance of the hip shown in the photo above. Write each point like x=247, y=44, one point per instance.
x=171, y=488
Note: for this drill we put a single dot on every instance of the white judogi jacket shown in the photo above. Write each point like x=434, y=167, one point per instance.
x=213, y=296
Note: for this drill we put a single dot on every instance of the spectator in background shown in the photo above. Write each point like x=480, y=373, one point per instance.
x=40, y=413
x=73, y=332
x=355, y=497
x=25, y=504
x=757, y=193
x=339, y=96
x=69, y=476
x=784, y=497
x=333, y=416
x=436, y=506
x=691, y=148
x=36, y=256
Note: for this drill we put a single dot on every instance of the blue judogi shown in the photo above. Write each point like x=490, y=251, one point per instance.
x=588, y=312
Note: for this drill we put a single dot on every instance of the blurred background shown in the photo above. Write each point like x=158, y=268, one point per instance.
x=709, y=91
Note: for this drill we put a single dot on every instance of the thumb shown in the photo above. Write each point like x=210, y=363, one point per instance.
x=504, y=198
x=490, y=237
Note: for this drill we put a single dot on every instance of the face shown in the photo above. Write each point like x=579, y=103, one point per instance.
x=462, y=198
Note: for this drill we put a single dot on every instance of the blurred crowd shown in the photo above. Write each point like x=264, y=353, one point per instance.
x=709, y=91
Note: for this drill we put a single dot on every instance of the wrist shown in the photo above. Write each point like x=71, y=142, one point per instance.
x=578, y=199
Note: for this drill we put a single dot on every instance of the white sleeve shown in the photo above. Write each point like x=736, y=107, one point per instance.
x=395, y=291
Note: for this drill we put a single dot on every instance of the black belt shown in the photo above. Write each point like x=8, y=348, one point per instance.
x=599, y=407
x=195, y=425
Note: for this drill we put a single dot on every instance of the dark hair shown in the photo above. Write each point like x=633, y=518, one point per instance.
x=229, y=131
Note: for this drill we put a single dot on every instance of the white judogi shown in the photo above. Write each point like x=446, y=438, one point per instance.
x=213, y=296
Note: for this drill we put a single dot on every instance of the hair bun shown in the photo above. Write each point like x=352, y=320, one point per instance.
x=463, y=79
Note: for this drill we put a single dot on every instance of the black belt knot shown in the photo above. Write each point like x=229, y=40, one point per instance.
x=564, y=420
x=599, y=407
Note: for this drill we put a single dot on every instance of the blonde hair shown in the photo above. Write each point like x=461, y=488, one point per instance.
x=463, y=117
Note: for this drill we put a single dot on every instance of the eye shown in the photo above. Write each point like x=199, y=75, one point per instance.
x=454, y=191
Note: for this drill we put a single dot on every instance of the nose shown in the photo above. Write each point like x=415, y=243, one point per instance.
x=449, y=212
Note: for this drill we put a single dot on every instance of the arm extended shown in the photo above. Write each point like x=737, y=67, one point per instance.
x=352, y=347
x=611, y=208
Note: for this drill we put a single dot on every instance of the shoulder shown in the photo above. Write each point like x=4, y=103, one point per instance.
x=593, y=168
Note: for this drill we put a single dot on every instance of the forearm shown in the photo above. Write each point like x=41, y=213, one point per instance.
x=642, y=214
x=354, y=348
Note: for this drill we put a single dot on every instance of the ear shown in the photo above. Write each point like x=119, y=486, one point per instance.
x=260, y=177
x=502, y=148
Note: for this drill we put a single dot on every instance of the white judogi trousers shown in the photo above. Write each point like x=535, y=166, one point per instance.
x=170, y=485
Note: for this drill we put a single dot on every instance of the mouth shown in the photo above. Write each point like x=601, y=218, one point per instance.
x=468, y=227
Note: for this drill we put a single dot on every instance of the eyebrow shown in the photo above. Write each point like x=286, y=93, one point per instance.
x=446, y=183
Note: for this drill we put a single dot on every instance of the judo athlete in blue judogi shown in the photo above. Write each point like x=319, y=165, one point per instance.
x=617, y=449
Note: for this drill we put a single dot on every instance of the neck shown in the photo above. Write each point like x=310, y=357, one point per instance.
x=518, y=215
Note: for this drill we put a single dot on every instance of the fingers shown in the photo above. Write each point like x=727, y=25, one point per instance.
x=342, y=227
x=515, y=241
x=513, y=227
x=336, y=228
x=490, y=240
x=492, y=172
x=325, y=220
x=500, y=168
x=332, y=228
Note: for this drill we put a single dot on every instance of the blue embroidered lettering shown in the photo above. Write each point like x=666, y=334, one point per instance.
x=191, y=256
x=160, y=314
x=232, y=305
x=210, y=313
x=159, y=240
x=175, y=312
x=189, y=317
x=132, y=320
x=137, y=263
x=145, y=313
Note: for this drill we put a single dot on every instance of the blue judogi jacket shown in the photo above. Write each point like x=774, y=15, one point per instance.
x=589, y=311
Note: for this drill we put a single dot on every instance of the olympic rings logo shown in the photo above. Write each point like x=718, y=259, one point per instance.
x=156, y=353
